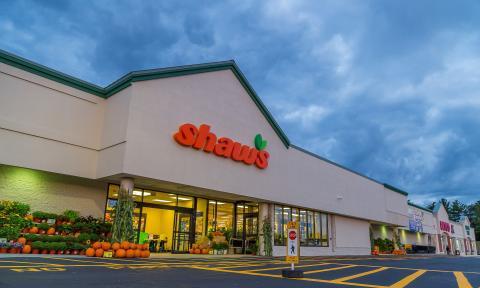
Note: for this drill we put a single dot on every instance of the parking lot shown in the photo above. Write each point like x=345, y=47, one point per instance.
x=395, y=272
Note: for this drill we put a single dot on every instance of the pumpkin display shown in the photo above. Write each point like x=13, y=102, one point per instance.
x=115, y=246
x=130, y=253
x=99, y=252
x=120, y=253
x=97, y=245
x=138, y=253
x=22, y=240
x=106, y=246
x=197, y=251
x=205, y=251
x=133, y=246
x=125, y=245
x=51, y=231
x=145, y=254
x=90, y=252
x=191, y=251
x=34, y=230
x=145, y=246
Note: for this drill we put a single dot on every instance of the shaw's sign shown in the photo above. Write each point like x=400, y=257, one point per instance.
x=202, y=139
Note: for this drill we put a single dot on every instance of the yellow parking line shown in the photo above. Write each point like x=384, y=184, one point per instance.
x=82, y=261
x=27, y=262
x=329, y=269
x=407, y=280
x=285, y=267
x=462, y=281
x=343, y=279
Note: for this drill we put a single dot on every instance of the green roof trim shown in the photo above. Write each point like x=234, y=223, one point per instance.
x=390, y=187
x=143, y=75
x=419, y=207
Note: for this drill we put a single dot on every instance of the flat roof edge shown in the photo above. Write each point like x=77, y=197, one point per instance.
x=419, y=207
x=390, y=187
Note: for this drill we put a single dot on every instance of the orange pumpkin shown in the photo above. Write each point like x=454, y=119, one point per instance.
x=191, y=251
x=106, y=246
x=132, y=246
x=197, y=251
x=90, y=252
x=99, y=252
x=26, y=249
x=145, y=246
x=194, y=246
x=125, y=245
x=34, y=230
x=115, y=246
x=51, y=231
x=120, y=253
x=138, y=253
x=204, y=251
x=97, y=245
x=145, y=254
x=22, y=240
x=130, y=253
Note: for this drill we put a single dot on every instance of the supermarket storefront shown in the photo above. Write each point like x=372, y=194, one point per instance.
x=196, y=148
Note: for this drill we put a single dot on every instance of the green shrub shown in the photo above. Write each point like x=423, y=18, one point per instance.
x=71, y=215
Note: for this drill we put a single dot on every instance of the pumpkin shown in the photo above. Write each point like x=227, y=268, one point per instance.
x=22, y=240
x=99, y=252
x=115, y=246
x=106, y=246
x=97, y=245
x=130, y=253
x=138, y=253
x=120, y=253
x=51, y=231
x=205, y=251
x=133, y=246
x=90, y=252
x=194, y=246
x=145, y=254
x=34, y=230
x=125, y=245
x=145, y=246
x=197, y=251
x=191, y=251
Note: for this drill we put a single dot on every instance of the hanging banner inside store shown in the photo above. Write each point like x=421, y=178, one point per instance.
x=292, y=242
x=202, y=139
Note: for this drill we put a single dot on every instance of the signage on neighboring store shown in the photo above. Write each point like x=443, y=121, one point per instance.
x=292, y=242
x=444, y=226
x=415, y=221
x=202, y=139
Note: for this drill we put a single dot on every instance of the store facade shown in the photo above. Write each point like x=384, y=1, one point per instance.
x=196, y=148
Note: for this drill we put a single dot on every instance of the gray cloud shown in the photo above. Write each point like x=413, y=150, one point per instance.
x=389, y=89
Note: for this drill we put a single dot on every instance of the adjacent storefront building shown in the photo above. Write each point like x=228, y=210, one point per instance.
x=196, y=148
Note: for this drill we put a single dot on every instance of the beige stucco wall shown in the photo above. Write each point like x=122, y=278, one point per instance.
x=52, y=192
x=159, y=107
x=47, y=126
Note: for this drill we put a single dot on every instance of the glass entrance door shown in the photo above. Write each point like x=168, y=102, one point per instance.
x=250, y=232
x=182, y=232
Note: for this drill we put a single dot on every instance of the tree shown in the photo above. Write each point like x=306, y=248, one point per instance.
x=432, y=205
x=446, y=204
x=473, y=214
x=457, y=210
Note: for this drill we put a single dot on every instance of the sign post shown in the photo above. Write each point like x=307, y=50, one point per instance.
x=293, y=252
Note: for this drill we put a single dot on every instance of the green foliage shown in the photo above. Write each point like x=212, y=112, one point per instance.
x=43, y=226
x=267, y=236
x=12, y=219
x=71, y=215
x=122, y=229
x=220, y=246
x=44, y=215
x=385, y=245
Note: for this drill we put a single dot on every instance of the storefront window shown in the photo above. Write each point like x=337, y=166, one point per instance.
x=279, y=226
x=312, y=225
x=201, y=218
x=211, y=215
x=159, y=198
x=225, y=218
x=185, y=201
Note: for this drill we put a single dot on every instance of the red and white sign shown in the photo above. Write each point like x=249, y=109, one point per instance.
x=444, y=226
x=292, y=242
x=202, y=139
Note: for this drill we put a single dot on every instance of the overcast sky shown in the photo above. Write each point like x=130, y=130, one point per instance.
x=390, y=89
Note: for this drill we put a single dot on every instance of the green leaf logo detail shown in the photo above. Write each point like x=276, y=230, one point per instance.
x=260, y=144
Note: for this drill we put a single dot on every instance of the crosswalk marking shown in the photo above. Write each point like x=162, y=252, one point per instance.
x=343, y=279
x=462, y=281
x=329, y=269
x=407, y=280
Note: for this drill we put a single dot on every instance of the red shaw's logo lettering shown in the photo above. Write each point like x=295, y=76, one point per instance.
x=202, y=139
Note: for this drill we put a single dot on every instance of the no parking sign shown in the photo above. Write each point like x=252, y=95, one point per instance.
x=292, y=242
